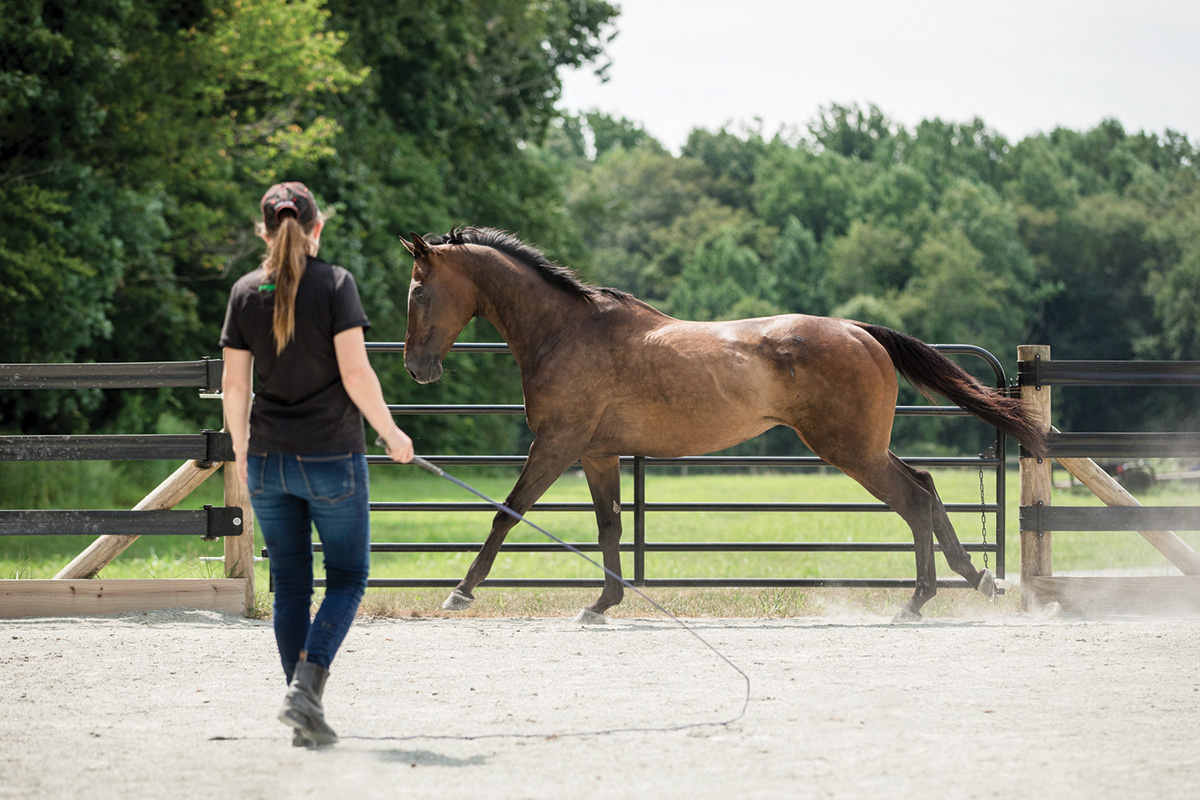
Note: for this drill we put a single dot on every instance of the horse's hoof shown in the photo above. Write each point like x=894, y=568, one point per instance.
x=906, y=615
x=589, y=617
x=457, y=601
x=987, y=585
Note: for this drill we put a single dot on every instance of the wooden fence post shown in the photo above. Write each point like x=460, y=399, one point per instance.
x=1035, y=480
x=239, y=550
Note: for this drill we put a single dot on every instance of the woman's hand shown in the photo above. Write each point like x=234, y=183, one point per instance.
x=398, y=445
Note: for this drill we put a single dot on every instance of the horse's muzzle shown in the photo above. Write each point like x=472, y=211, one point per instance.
x=426, y=370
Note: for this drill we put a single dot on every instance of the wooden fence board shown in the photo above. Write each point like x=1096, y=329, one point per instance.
x=54, y=597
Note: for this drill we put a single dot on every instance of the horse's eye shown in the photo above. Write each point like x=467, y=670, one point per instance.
x=419, y=293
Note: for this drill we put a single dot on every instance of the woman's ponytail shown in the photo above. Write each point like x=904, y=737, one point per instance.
x=290, y=225
x=285, y=264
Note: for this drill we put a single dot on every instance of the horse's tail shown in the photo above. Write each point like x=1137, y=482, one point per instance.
x=929, y=371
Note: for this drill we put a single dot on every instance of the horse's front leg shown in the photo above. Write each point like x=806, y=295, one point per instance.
x=545, y=464
x=604, y=480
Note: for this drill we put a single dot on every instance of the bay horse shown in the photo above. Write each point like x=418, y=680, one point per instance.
x=605, y=374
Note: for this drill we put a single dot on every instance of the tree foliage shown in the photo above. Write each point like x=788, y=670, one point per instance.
x=136, y=139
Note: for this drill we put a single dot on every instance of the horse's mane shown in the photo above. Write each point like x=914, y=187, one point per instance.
x=505, y=242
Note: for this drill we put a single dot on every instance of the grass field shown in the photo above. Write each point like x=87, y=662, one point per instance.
x=155, y=557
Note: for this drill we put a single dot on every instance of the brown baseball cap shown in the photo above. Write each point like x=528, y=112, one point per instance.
x=288, y=196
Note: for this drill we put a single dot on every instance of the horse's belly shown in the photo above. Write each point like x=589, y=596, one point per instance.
x=672, y=435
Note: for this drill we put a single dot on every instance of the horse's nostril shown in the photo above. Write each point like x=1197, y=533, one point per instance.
x=423, y=372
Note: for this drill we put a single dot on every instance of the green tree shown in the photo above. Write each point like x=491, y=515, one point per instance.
x=821, y=190
x=869, y=259
x=854, y=132
x=899, y=197
x=128, y=133
x=732, y=160
x=622, y=202
x=951, y=279
x=802, y=272
x=723, y=280
x=947, y=151
x=1176, y=297
x=1102, y=257
x=1040, y=178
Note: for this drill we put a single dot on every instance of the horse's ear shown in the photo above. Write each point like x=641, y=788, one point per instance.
x=420, y=249
x=408, y=246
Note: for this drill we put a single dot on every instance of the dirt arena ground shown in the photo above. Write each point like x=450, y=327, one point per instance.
x=181, y=704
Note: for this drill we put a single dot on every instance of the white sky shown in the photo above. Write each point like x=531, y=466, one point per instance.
x=1022, y=66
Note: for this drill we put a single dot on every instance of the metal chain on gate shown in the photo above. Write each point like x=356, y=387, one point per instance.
x=989, y=453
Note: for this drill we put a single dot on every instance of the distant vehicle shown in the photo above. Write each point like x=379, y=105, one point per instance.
x=1134, y=475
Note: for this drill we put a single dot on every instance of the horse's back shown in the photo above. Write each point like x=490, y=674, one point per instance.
x=681, y=387
x=794, y=341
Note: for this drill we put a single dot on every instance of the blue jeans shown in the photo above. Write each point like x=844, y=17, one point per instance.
x=289, y=494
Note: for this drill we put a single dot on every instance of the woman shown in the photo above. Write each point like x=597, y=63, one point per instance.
x=297, y=323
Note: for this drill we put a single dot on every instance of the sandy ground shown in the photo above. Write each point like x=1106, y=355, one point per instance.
x=182, y=704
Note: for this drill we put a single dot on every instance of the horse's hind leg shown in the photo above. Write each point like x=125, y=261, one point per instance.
x=956, y=555
x=894, y=483
x=604, y=480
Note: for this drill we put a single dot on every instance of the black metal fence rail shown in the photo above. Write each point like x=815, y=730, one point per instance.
x=640, y=506
x=205, y=447
x=1113, y=445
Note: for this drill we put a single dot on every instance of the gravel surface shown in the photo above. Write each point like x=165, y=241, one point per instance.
x=182, y=704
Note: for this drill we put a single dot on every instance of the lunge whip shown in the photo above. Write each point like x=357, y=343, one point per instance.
x=441, y=473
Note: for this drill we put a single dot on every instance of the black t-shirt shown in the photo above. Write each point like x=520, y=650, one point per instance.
x=300, y=405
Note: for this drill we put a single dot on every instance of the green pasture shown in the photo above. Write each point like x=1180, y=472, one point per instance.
x=82, y=485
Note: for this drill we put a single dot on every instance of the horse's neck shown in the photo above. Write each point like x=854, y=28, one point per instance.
x=528, y=312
